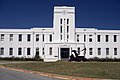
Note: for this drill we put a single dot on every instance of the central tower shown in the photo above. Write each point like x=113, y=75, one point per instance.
x=64, y=24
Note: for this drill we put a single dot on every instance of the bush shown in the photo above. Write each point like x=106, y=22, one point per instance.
x=105, y=59
x=21, y=59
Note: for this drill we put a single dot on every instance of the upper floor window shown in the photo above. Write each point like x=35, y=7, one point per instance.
x=67, y=29
x=50, y=37
x=99, y=51
x=67, y=21
x=107, y=38
x=77, y=38
x=50, y=49
x=115, y=51
x=98, y=38
x=2, y=37
x=11, y=37
x=84, y=38
x=28, y=37
x=61, y=36
x=19, y=51
x=28, y=51
x=2, y=51
x=20, y=37
x=115, y=38
x=60, y=21
x=90, y=51
x=37, y=37
x=43, y=37
x=90, y=38
x=10, y=51
x=60, y=29
x=107, y=51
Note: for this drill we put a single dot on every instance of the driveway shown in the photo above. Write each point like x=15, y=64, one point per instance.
x=6, y=74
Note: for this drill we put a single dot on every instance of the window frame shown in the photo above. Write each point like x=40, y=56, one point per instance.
x=20, y=37
x=2, y=37
x=10, y=51
x=50, y=51
x=28, y=37
x=11, y=37
x=90, y=51
x=19, y=51
x=2, y=51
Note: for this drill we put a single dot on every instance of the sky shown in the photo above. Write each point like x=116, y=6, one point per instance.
x=100, y=14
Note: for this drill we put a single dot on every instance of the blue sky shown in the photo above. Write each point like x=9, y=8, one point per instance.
x=100, y=14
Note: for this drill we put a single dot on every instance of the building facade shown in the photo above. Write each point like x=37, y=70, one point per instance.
x=57, y=43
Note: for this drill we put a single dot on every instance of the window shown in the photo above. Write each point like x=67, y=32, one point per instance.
x=67, y=29
x=84, y=38
x=28, y=51
x=99, y=51
x=77, y=38
x=67, y=21
x=90, y=38
x=37, y=52
x=2, y=37
x=2, y=51
x=43, y=51
x=20, y=37
x=90, y=51
x=11, y=37
x=107, y=51
x=115, y=38
x=19, y=51
x=60, y=29
x=37, y=37
x=78, y=50
x=107, y=38
x=28, y=37
x=115, y=51
x=10, y=51
x=67, y=37
x=98, y=38
x=43, y=37
x=60, y=21
x=50, y=37
x=50, y=50
x=61, y=37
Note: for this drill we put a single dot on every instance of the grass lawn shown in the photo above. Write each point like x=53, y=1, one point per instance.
x=104, y=70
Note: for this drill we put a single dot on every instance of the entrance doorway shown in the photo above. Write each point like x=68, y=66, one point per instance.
x=64, y=53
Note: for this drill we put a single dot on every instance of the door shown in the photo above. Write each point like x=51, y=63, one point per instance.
x=64, y=52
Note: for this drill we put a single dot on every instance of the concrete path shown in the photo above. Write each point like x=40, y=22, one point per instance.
x=6, y=74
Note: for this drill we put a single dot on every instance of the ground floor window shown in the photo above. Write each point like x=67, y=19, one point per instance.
x=78, y=50
x=2, y=51
x=10, y=51
x=37, y=53
x=115, y=51
x=19, y=51
x=99, y=51
x=90, y=51
x=107, y=51
x=50, y=49
x=43, y=51
x=28, y=51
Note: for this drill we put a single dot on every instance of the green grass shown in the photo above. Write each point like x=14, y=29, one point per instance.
x=104, y=70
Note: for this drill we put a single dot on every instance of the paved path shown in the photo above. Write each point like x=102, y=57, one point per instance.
x=6, y=74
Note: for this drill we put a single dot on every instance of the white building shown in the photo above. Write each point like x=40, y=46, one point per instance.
x=56, y=43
